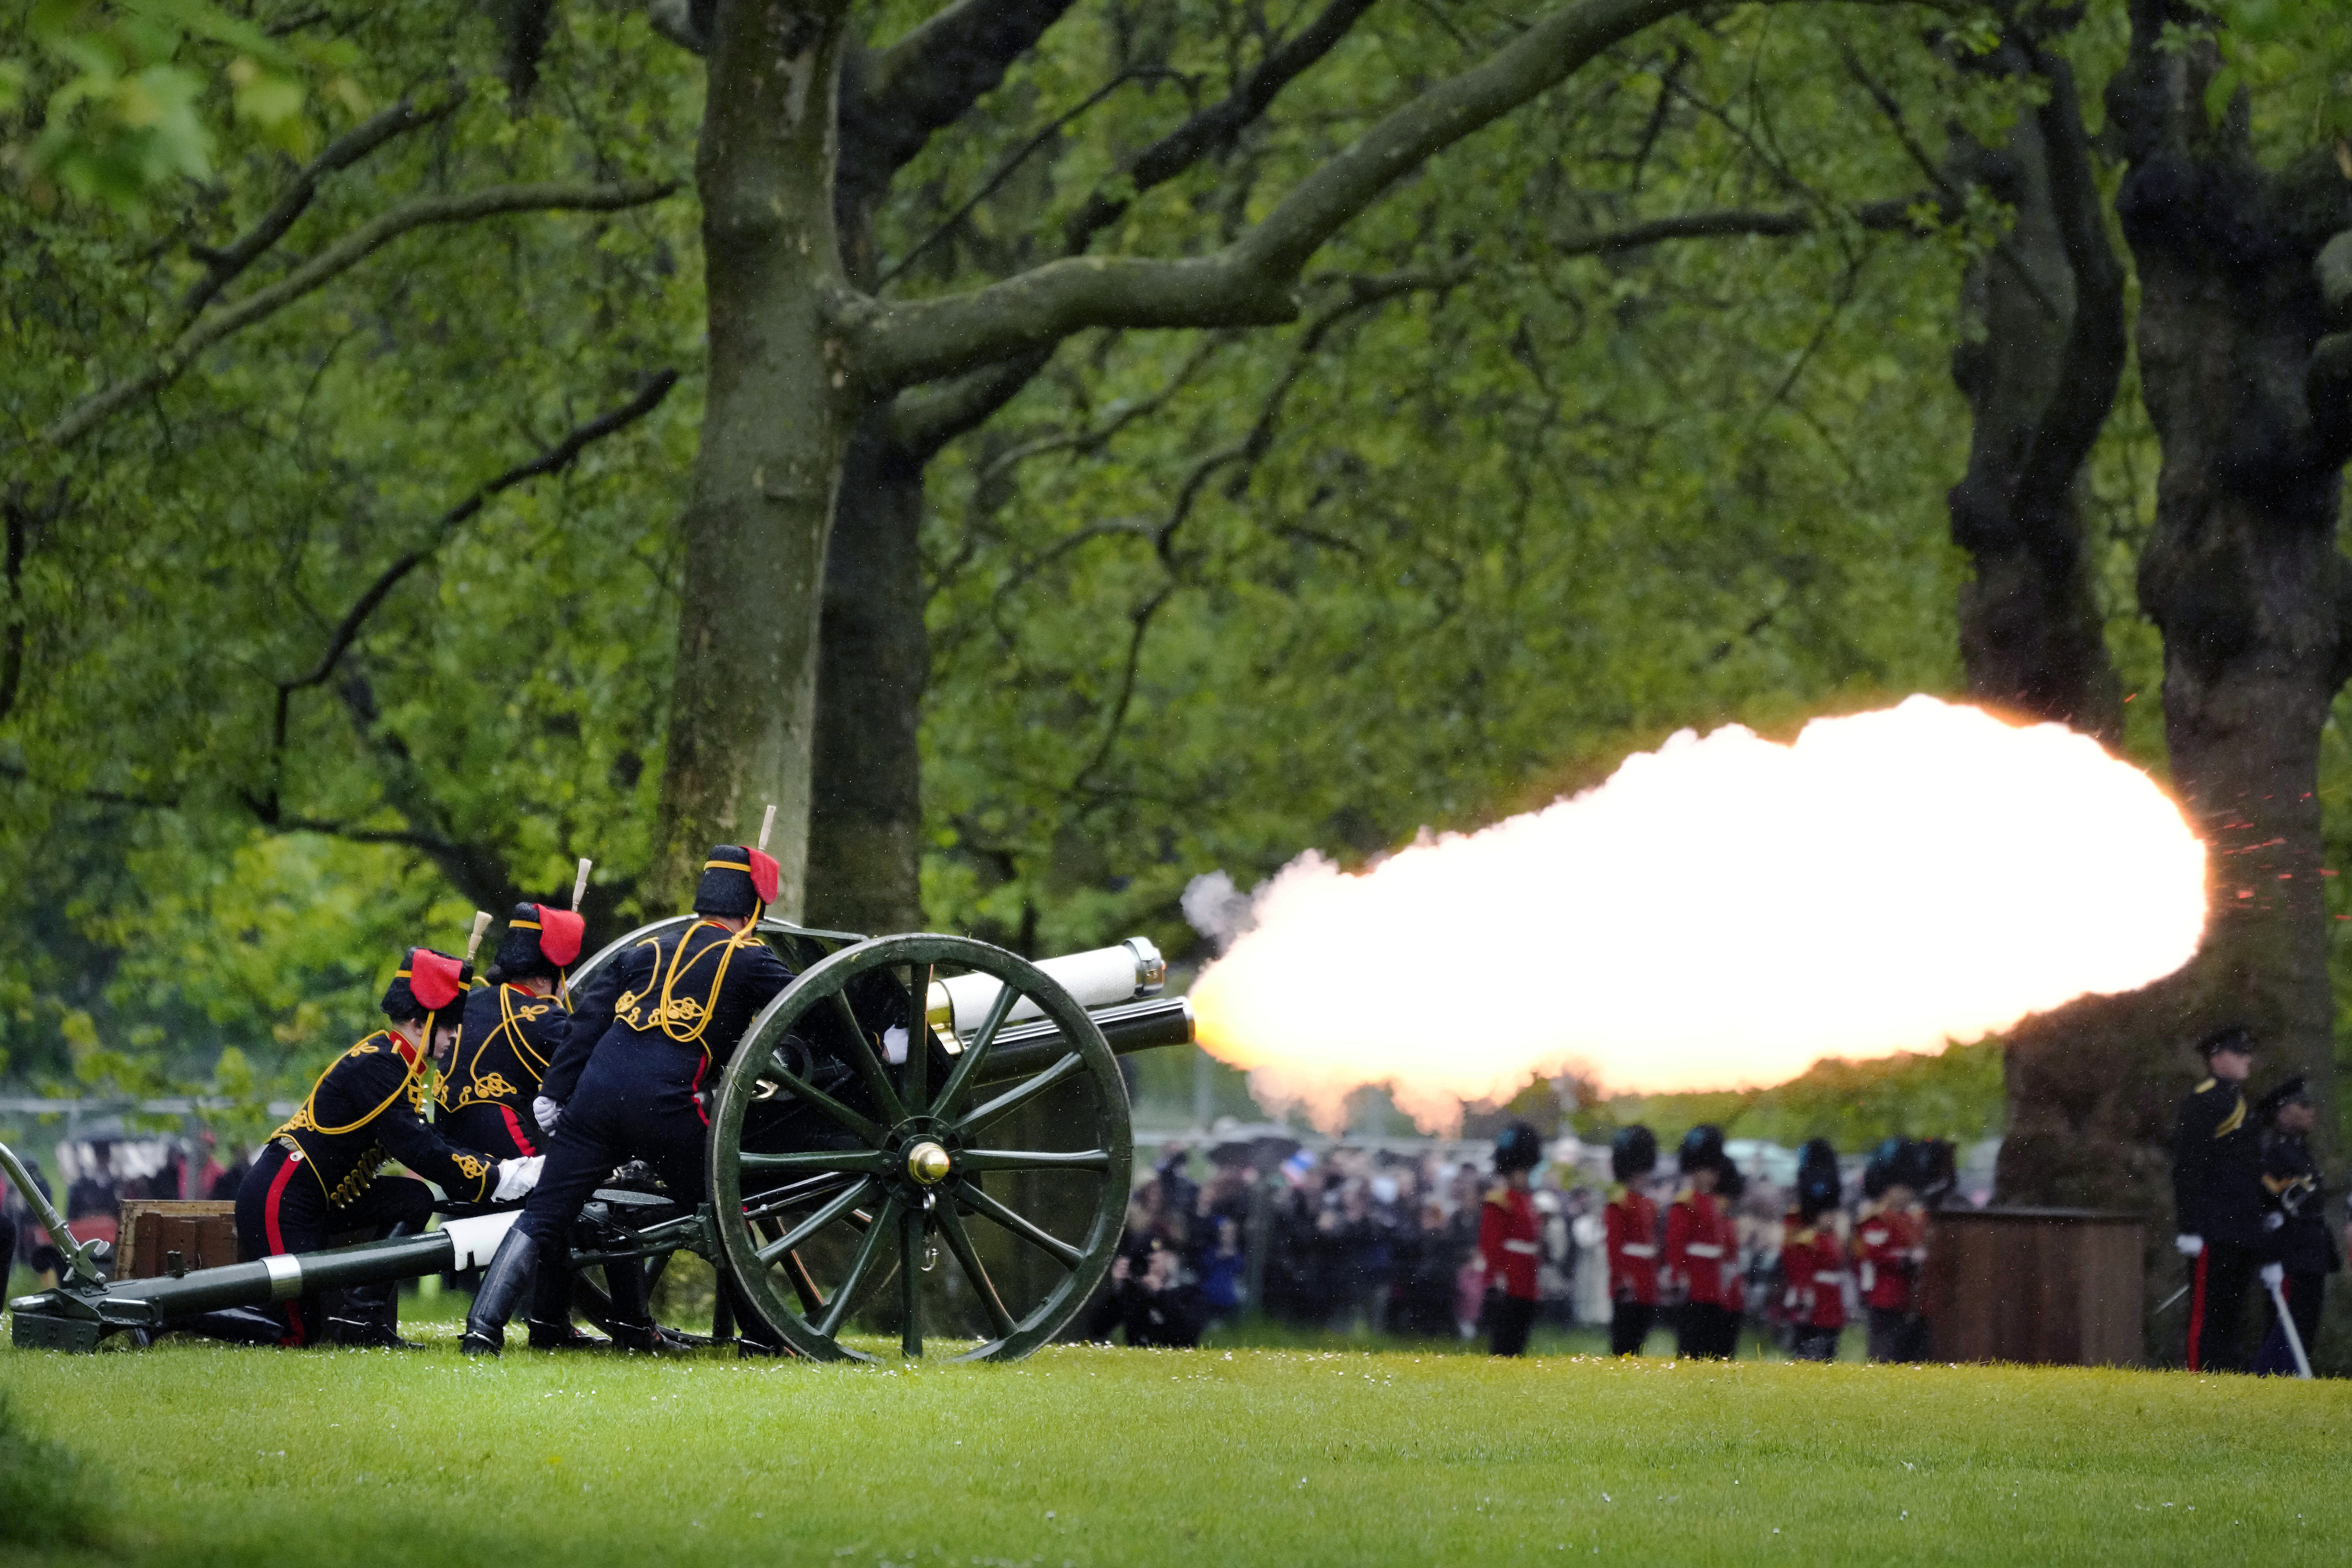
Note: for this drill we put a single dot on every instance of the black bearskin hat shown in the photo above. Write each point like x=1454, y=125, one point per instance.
x=539, y=941
x=429, y=981
x=1633, y=1152
x=1883, y=1168
x=1928, y=1168
x=1521, y=1148
x=737, y=880
x=1819, y=1184
x=1702, y=1150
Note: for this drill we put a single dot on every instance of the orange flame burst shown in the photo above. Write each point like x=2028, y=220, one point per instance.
x=1720, y=914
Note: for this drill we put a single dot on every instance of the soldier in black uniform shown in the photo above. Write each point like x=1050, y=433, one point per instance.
x=513, y=1027
x=318, y=1174
x=2218, y=1199
x=2302, y=1248
x=649, y=1033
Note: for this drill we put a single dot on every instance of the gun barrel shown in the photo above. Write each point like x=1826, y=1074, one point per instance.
x=1101, y=977
x=1025, y=1049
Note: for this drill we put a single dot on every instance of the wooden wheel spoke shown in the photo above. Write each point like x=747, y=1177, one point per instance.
x=817, y=1221
x=810, y=1094
x=859, y=1266
x=910, y=1277
x=916, y=1073
x=1014, y=1099
x=830, y=1161
x=869, y=1066
x=977, y=1159
x=969, y=1062
x=967, y=1257
x=1020, y=1225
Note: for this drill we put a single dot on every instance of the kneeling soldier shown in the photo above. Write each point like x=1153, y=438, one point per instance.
x=647, y=1034
x=318, y=1174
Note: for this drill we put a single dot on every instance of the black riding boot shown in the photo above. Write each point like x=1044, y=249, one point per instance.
x=368, y=1317
x=551, y=1312
x=502, y=1287
x=633, y=1318
x=754, y=1340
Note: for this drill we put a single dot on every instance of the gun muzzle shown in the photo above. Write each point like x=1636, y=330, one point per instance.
x=1105, y=977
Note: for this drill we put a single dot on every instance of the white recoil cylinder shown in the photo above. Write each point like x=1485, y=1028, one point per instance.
x=1103, y=978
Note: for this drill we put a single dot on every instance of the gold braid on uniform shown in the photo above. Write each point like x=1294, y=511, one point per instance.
x=373, y=1159
x=682, y=1019
x=477, y=1087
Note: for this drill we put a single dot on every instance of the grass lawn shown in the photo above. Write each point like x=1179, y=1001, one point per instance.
x=1084, y=1455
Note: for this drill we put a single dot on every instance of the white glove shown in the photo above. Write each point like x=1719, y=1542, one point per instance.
x=517, y=1177
x=2190, y=1245
x=547, y=1113
x=2274, y=1275
x=2273, y=1221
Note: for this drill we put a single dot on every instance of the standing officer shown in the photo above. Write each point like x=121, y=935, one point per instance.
x=1510, y=1241
x=2217, y=1198
x=318, y=1174
x=1630, y=1227
x=1703, y=1250
x=1812, y=1257
x=651, y=1030
x=2297, y=1220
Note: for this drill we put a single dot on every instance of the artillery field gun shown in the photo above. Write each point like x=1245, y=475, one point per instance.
x=904, y=1095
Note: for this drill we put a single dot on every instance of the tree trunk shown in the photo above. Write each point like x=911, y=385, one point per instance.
x=866, y=808
x=2242, y=575
x=775, y=426
x=2039, y=372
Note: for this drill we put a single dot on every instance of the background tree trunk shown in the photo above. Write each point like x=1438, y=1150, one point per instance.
x=776, y=422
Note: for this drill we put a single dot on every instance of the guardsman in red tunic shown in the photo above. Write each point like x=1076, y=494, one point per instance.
x=1812, y=1257
x=1890, y=1244
x=1703, y=1251
x=1631, y=1227
x=318, y=1175
x=1510, y=1241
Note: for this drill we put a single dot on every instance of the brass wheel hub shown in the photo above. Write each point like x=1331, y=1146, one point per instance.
x=927, y=1164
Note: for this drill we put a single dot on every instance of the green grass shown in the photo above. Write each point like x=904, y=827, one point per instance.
x=1086, y=1455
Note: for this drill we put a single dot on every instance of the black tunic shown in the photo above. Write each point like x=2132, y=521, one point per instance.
x=667, y=1013
x=509, y=1038
x=2298, y=1218
x=367, y=1109
x=2217, y=1167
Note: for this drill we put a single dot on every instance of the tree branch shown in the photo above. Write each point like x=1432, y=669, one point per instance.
x=223, y=266
x=1728, y=222
x=346, y=630
x=1250, y=282
x=333, y=261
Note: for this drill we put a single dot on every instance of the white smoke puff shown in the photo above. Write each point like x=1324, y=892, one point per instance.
x=1719, y=914
x=1215, y=908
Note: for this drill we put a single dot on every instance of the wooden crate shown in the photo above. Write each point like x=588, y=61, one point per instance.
x=203, y=1233
x=2047, y=1287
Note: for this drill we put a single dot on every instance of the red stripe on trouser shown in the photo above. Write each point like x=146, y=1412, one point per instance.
x=297, y=1333
x=514, y=1130
x=2197, y=1313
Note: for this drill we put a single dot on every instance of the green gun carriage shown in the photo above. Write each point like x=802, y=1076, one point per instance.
x=921, y=1132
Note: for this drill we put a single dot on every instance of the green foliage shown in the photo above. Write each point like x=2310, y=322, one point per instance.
x=47, y=1496
x=1956, y=1094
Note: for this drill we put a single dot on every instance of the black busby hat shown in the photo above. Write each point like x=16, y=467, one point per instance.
x=2235, y=1037
x=737, y=880
x=1819, y=1183
x=429, y=981
x=1521, y=1148
x=1884, y=1167
x=539, y=941
x=2295, y=1090
x=1930, y=1168
x=1702, y=1150
x=1633, y=1152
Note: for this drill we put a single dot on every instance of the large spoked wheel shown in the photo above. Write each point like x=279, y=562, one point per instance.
x=821, y=1196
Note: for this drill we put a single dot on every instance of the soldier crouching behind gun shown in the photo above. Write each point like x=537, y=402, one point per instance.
x=513, y=1027
x=629, y=1084
x=318, y=1174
